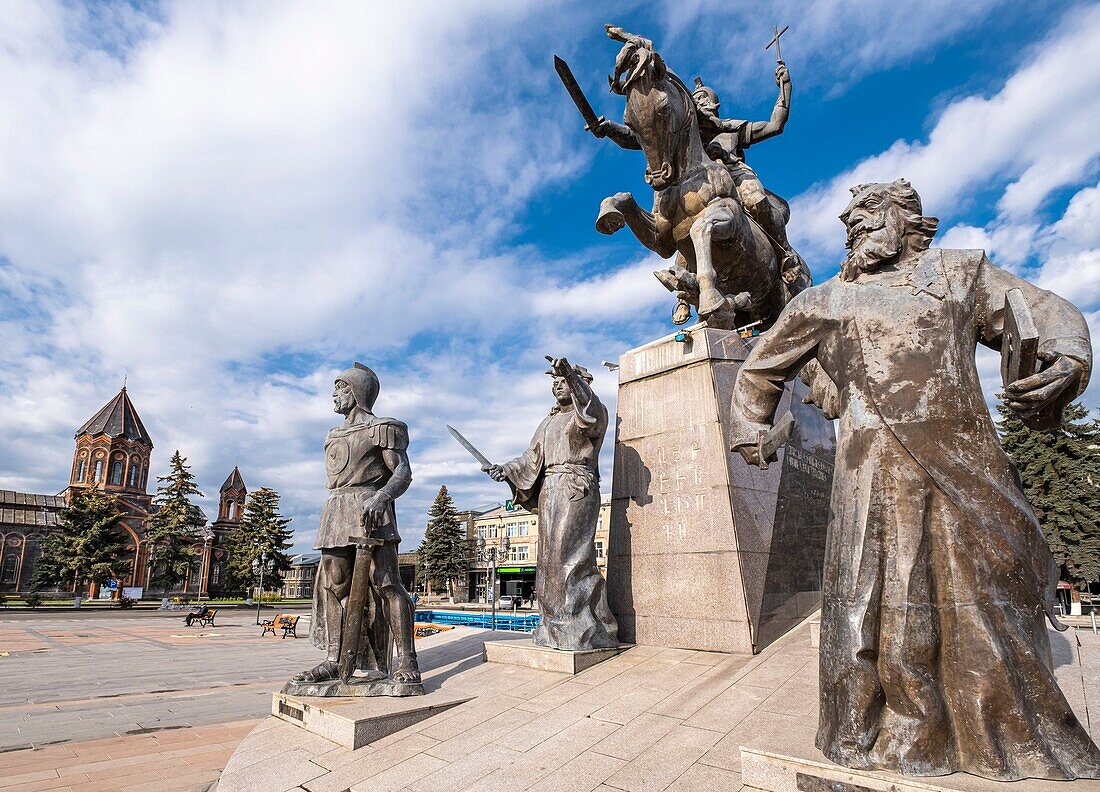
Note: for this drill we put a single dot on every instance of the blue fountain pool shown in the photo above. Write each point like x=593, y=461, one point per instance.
x=505, y=621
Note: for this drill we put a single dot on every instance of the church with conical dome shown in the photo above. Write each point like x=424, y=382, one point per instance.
x=112, y=454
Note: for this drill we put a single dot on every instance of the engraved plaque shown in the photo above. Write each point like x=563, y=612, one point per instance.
x=812, y=783
x=290, y=710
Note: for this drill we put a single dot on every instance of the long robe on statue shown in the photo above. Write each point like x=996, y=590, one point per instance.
x=558, y=477
x=935, y=655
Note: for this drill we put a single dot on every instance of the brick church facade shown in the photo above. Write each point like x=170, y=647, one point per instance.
x=112, y=455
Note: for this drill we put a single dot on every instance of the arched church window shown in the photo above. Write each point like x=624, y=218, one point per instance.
x=7, y=572
x=116, y=472
x=135, y=472
x=231, y=510
x=97, y=472
x=81, y=469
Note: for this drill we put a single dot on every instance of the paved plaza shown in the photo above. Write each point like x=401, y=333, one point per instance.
x=88, y=677
x=649, y=720
x=138, y=702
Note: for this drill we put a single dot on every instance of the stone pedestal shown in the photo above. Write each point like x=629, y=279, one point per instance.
x=773, y=772
x=356, y=722
x=528, y=655
x=707, y=552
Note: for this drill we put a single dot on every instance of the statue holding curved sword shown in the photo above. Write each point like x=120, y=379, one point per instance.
x=558, y=477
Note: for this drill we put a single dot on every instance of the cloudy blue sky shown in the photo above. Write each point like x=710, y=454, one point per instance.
x=227, y=203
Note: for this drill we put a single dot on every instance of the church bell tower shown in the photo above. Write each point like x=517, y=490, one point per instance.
x=112, y=453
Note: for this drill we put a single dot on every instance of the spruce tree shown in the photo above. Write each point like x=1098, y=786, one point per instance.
x=443, y=551
x=262, y=530
x=86, y=546
x=174, y=526
x=1060, y=470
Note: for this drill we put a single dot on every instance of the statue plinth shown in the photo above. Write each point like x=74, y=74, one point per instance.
x=707, y=552
x=355, y=722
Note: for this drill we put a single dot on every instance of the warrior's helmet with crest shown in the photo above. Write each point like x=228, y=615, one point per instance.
x=363, y=383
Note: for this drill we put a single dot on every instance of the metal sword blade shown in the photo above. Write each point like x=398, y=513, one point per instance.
x=575, y=93
x=485, y=463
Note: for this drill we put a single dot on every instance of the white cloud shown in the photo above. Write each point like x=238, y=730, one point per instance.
x=831, y=43
x=229, y=202
x=1037, y=134
x=622, y=294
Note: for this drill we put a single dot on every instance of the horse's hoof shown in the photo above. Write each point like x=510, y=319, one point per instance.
x=610, y=221
x=710, y=301
x=682, y=314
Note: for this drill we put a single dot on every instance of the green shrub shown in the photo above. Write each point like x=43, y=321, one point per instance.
x=125, y=602
x=33, y=600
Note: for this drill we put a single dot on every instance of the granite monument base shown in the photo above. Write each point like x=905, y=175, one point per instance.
x=707, y=552
x=774, y=772
x=527, y=655
x=354, y=723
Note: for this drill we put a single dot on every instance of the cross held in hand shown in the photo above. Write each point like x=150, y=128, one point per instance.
x=775, y=41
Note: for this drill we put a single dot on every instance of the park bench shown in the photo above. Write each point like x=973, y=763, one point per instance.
x=207, y=620
x=288, y=624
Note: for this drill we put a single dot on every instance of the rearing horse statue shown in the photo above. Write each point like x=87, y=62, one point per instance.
x=727, y=264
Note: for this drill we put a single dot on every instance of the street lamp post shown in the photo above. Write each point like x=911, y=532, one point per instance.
x=204, y=584
x=260, y=593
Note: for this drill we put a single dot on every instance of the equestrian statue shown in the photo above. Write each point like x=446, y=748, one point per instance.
x=733, y=261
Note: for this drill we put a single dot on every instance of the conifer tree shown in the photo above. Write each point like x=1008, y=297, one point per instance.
x=1060, y=470
x=262, y=530
x=174, y=526
x=443, y=552
x=86, y=546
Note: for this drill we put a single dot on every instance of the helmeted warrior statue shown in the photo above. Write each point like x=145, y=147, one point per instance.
x=935, y=655
x=558, y=477
x=360, y=607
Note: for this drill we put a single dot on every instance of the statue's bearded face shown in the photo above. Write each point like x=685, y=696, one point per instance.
x=561, y=390
x=343, y=399
x=876, y=231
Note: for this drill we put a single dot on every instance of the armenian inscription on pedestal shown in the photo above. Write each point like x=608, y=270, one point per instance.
x=707, y=552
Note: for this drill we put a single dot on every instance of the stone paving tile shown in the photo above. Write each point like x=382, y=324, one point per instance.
x=364, y=767
x=760, y=728
x=27, y=778
x=292, y=769
x=487, y=732
x=580, y=774
x=701, y=778
x=706, y=658
x=398, y=776
x=635, y=737
x=467, y=716
x=694, y=698
x=199, y=780
x=535, y=764
x=540, y=728
x=665, y=761
x=557, y=694
x=729, y=708
x=466, y=770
